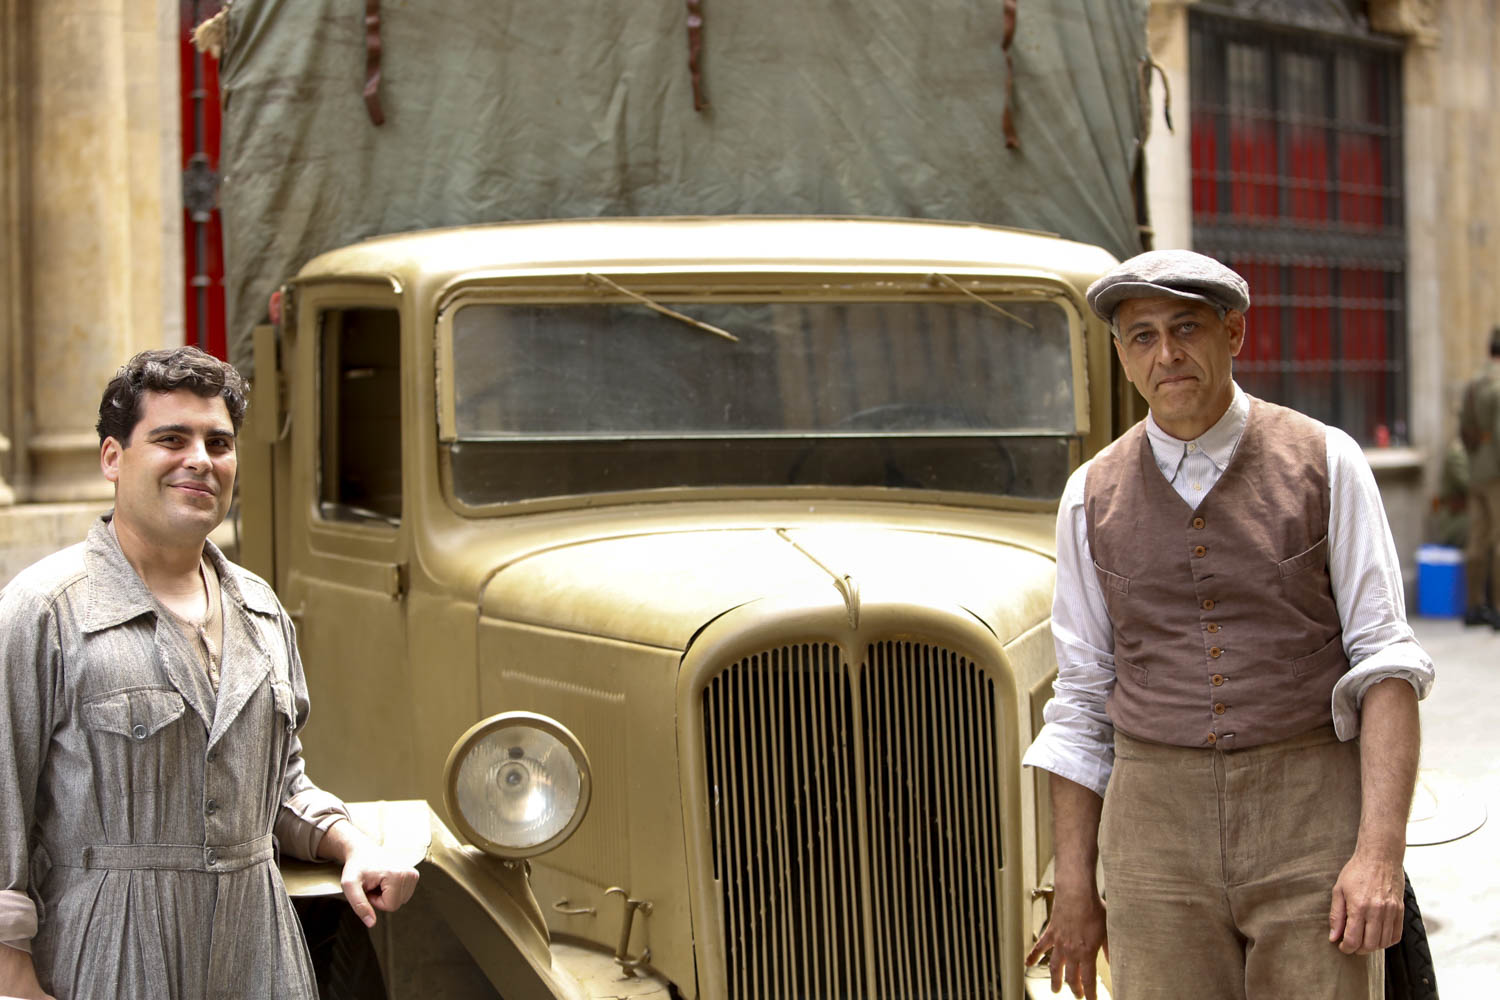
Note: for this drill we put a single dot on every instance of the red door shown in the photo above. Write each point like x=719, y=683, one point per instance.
x=202, y=233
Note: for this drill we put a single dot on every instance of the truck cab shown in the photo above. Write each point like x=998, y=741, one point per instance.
x=693, y=576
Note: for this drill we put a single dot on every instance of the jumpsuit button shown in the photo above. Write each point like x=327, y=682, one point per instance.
x=1219, y=708
x=139, y=732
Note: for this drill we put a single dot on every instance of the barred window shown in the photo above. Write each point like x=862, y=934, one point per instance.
x=1296, y=174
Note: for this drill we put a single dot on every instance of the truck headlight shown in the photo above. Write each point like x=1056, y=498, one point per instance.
x=517, y=784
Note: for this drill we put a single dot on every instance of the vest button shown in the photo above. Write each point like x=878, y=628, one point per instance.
x=1208, y=604
x=1217, y=679
x=1216, y=652
x=1220, y=708
x=1199, y=551
x=1198, y=523
x=1213, y=626
x=1212, y=739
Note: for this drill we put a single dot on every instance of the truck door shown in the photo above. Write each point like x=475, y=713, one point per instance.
x=345, y=582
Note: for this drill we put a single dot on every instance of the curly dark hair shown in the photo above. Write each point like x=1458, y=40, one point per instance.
x=165, y=371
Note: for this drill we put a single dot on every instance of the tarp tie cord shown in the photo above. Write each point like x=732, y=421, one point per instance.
x=1147, y=65
x=1012, y=140
x=372, y=62
x=695, y=52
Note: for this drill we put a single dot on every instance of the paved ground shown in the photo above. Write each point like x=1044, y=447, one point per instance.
x=1458, y=883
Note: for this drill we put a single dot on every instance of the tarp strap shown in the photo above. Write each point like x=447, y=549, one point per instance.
x=695, y=52
x=372, y=62
x=1012, y=140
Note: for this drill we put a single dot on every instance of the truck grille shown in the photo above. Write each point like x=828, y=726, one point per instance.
x=855, y=823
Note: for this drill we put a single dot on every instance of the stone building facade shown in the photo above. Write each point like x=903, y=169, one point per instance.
x=91, y=245
x=1443, y=57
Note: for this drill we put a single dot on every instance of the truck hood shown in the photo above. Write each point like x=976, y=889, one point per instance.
x=659, y=588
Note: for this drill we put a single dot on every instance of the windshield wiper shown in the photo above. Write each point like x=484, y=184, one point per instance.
x=944, y=279
x=600, y=279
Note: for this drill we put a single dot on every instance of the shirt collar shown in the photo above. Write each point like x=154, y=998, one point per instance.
x=1217, y=444
x=117, y=594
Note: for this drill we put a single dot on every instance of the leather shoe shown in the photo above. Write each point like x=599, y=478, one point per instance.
x=1482, y=614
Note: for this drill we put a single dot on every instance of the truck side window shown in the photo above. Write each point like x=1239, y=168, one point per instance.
x=359, y=475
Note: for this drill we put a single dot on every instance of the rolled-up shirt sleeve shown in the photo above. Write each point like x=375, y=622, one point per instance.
x=1077, y=741
x=17, y=919
x=1367, y=588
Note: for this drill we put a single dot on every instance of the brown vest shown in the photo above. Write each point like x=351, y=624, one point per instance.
x=1226, y=632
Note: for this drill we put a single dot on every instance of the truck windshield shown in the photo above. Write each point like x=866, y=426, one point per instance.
x=557, y=400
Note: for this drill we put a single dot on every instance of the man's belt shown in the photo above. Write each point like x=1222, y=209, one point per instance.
x=176, y=857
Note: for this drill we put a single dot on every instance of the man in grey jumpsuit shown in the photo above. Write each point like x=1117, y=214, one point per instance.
x=150, y=762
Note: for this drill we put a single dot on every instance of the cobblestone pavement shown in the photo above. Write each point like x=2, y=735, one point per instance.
x=1458, y=882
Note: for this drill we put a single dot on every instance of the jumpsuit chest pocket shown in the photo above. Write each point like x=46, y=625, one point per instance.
x=136, y=715
x=136, y=739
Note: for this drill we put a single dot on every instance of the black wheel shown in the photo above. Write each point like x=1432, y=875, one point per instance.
x=1409, y=974
x=343, y=956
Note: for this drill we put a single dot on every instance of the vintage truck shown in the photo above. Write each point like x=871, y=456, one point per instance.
x=676, y=588
x=745, y=553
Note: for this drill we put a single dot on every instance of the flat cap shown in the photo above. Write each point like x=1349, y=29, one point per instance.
x=1180, y=274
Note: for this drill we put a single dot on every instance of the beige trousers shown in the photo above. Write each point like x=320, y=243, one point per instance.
x=1219, y=871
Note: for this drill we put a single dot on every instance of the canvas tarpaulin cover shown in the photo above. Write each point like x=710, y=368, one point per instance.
x=499, y=110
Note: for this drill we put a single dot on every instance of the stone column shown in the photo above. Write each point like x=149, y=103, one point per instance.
x=100, y=222
x=12, y=300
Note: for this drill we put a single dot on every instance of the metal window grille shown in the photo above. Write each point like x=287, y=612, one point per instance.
x=1296, y=178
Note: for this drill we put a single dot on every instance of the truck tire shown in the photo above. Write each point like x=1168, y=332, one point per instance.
x=1409, y=974
x=343, y=957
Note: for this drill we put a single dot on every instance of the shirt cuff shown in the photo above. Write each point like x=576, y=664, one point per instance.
x=303, y=820
x=17, y=919
x=1405, y=660
x=1073, y=757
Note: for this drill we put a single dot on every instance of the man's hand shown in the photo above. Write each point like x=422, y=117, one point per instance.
x=18, y=975
x=1076, y=931
x=1074, y=936
x=371, y=880
x=1368, y=903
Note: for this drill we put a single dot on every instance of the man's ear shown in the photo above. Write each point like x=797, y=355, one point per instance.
x=1234, y=322
x=109, y=459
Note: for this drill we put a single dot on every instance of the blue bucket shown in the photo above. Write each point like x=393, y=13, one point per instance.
x=1440, y=581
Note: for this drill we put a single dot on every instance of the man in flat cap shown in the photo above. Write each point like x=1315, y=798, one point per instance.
x=1479, y=430
x=1234, y=734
